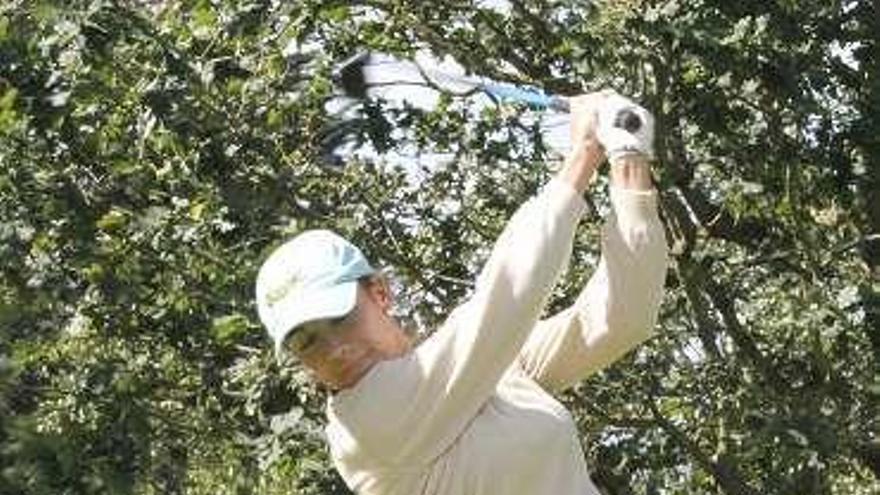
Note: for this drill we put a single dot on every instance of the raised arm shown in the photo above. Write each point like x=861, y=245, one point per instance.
x=618, y=307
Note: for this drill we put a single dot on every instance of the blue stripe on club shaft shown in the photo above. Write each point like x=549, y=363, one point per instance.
x=529, y=96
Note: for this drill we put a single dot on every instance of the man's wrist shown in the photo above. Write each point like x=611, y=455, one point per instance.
x=631, y=171
x=580, y=166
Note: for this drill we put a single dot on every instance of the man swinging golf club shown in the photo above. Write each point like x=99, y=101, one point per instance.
x=470, y=411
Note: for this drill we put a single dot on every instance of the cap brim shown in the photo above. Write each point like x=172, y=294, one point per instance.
x=331, y=302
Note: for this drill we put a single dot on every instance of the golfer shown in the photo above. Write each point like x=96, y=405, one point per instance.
x=470, y=410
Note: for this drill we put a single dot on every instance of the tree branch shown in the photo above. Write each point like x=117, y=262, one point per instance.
x=725, y=473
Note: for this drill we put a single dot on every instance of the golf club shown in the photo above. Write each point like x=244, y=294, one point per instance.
x=366, y=70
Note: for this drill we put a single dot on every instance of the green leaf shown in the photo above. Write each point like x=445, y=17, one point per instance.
x=4, y=28
x=113, y=220
x=204, y=19
x=338, y=13
x=230, y=328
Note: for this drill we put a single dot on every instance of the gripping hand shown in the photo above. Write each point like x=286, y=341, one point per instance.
x=625, y=128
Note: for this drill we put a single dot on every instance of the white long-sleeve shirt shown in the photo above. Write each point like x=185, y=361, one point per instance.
x=469, y=411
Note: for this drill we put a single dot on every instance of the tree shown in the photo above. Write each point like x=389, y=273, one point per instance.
x=152, y=153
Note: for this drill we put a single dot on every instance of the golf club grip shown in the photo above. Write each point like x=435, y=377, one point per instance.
x=626, y=119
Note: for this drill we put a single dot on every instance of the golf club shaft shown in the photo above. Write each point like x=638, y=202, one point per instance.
x=530, y=96
x=367, y=70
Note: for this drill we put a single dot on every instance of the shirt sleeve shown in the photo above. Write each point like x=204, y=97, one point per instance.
x=409, y=410
x=617, y=309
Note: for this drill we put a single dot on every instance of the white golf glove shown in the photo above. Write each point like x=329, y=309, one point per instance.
x=625, y=128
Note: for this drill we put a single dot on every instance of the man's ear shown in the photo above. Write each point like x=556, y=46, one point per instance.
x=380, y=291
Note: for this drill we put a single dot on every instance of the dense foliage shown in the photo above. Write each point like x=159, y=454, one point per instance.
x=152, y=153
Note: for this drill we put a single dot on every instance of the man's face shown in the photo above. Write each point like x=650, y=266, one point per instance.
x=339, y=352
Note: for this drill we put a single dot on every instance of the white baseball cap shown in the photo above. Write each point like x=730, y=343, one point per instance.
x=310, y=277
